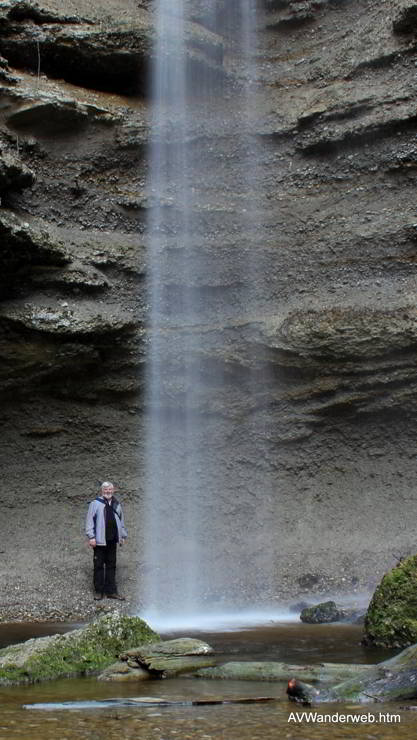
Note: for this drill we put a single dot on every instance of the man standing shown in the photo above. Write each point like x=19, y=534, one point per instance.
x=105, y=528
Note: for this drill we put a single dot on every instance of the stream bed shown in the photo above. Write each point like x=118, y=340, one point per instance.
x=296, y=643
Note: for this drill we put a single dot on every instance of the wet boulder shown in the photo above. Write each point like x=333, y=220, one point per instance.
x=161, y=660
x=391, y=619
x=391, y=680
x=122, y=671
x=171, y=657
x=322, y=613
x=251, y=670
x=80, y=652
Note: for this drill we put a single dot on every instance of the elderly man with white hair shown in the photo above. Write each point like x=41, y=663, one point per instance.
x=105, y=529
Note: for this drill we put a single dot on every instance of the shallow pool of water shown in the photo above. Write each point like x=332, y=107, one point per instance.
x=15, y=632
x=294, y=643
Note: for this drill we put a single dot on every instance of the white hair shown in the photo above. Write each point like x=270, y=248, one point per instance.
x=106, y=484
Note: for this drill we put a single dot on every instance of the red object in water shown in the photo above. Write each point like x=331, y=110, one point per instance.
x=300, y=692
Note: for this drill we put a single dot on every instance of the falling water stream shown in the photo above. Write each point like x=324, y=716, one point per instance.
x=169, y=481
x=196, y=532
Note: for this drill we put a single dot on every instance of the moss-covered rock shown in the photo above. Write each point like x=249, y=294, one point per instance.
x=76, y=653
x=161, y=660
x=322, y=613
x=274, y=671
x=391, y=619
x=171, y=657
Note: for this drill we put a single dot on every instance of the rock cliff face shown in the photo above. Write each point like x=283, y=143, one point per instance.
x=310, y=313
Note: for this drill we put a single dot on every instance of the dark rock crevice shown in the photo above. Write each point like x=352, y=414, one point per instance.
x=111, y=61
x=406, y=19
x=22, y=10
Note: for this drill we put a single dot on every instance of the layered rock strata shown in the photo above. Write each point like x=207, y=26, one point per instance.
x=309, y=322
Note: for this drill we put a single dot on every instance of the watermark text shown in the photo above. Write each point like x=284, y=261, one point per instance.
x=344, y=718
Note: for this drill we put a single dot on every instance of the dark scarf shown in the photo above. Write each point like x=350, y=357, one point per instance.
x=112, y=534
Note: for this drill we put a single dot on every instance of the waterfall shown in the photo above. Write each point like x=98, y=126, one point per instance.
x=195, y=561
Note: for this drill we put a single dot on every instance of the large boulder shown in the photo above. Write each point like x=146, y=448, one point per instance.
x=391, y=619
x=80, y=652
x=161, y=660
x=322, y=613
x=391, y=680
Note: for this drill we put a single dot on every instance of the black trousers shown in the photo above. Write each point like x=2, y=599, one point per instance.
x=105, y=568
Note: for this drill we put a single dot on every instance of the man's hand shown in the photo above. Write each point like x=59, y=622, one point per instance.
x=92, y=542
x=122, y=542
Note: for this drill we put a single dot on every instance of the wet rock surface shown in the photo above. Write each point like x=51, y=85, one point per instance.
x=79, y=652
x=391, y=680
x=391, y=619
x=309, y=314
x=322, y=613
x=161, y=660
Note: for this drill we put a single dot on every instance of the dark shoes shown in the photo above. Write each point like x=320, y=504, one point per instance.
x=116, y=596
x=98, y=596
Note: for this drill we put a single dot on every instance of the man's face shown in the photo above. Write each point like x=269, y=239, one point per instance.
x=107, y=491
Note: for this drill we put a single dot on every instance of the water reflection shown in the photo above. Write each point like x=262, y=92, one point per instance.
x=13, y=633
x=295, y=643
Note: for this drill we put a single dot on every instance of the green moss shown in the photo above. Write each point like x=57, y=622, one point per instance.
x=12, y=675
x=391, y=620
x=322, y=613
x=78, y=653
x=351, y=689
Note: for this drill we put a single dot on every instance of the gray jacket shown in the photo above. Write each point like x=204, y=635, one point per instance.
x=95, y=526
